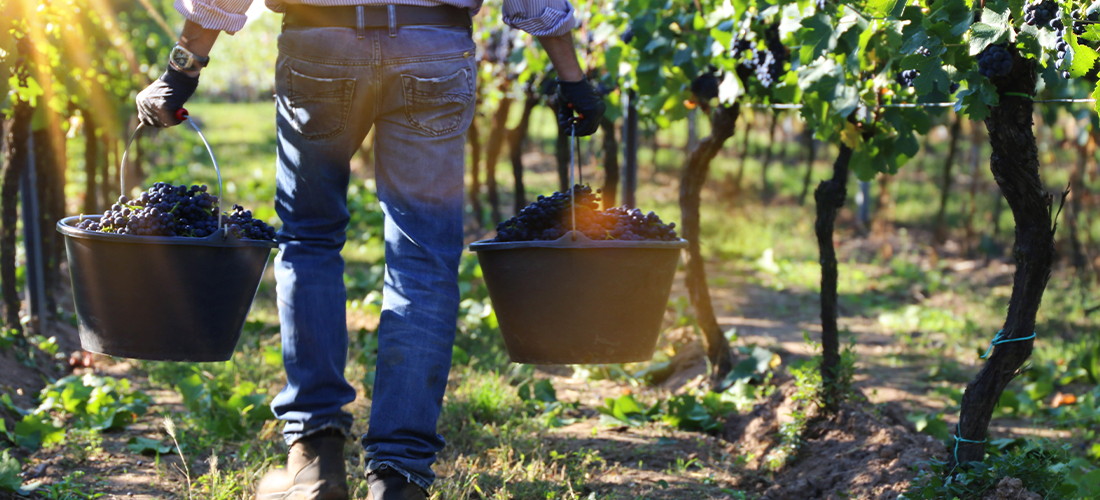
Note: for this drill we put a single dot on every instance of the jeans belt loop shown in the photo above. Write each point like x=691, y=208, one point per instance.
x=360, y=22
x=393, y=20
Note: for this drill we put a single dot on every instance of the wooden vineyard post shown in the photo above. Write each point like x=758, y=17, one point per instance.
x=630, y=150
x=940, y=232
x=91, y=160
x=19, y=158
x=517, y=138
x=811, y=151
x=610, y=163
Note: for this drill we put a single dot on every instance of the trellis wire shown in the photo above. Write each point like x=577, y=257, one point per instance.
x=921, y=104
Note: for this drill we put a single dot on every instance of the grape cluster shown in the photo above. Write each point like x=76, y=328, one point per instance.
x=168, y=210
x=995, y=60
x=550, y=218
x=628, y=35
x=240, y=223
x=740, y=46
x=1040, y=12
x=1079, y=28
x=705, y=86
x=767, y=60
x=905, y=78
x=1061, y=47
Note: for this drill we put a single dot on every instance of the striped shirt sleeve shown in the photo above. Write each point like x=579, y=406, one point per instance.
x=224, y=15
x=540, y=17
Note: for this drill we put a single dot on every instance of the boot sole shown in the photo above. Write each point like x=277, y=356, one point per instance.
x=305, y=492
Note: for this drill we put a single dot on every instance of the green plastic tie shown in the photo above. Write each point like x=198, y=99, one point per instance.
x=998, y=340
x=1019, y=94
x=957, y=439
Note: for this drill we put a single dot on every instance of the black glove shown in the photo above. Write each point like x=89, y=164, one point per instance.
x=158, y=103
x=581, y=98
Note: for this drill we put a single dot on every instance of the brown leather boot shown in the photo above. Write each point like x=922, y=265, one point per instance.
x=314, y=471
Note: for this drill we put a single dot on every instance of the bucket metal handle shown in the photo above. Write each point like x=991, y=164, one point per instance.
x=181, y=115
x=572, y=196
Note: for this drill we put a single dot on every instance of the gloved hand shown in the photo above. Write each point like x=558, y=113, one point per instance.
x=158, y=103
x=581, y=98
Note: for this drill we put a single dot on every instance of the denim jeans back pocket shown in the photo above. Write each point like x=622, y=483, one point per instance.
x=435, y=106
x=318, y=107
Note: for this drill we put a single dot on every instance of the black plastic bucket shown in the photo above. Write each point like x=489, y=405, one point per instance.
x=579, y=302
x=162, y=298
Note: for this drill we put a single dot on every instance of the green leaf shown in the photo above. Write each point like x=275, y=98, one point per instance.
x=1083, y=57
x=885, y=8
x=35, y=431
x=1096, y=106
x=949, y=19
x=146, y=446
x=9, y=473
x=983, y=35
x=817, y=37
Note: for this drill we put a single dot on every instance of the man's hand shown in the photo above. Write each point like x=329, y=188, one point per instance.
x=582, y=99
x=158, y=103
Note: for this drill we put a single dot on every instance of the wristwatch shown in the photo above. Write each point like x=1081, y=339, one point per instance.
x=184, y=60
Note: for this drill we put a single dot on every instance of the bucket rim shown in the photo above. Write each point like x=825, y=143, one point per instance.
x=67, y=227
x=566, y=242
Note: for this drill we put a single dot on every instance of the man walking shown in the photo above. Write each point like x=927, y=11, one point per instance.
x=409, y=69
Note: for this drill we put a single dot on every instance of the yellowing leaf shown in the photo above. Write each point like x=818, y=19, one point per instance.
x=850, y=136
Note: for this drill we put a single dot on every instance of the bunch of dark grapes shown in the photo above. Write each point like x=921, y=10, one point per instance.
x=740, y=46
x=905, y=78
x=705, y=86
x=769, y=62
x=995, y=60
x=628, y=35
x=550, y=218
x=767, y=59
x=1040, y=12
x=168, y=210
x=240, y=223
x=1061, y=47
x=1079, y=28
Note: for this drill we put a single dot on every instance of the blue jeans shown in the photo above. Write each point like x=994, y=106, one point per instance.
x=416, y=85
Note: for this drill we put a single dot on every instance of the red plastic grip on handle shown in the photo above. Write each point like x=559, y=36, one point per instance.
x=181, y=114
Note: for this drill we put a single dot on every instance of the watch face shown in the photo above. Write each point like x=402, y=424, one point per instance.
x=180, y=58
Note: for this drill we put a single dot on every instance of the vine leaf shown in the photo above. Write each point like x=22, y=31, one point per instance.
x=850, y=135
x=884, y=8
x=932, y=74
x=1084, y=57
x=977, y=100
x=994, y=28
x=1096, y=95
x=950, y=20
x=818, y=37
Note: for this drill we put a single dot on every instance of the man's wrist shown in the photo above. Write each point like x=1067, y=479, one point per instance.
x=196, y=39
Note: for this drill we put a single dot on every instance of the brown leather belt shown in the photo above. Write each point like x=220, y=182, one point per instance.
x=374, y=16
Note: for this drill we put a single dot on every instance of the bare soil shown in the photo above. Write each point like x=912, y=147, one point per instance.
x=855, y=452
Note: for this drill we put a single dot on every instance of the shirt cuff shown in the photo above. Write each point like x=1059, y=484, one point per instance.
x=552, y=22
x=211, y=17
